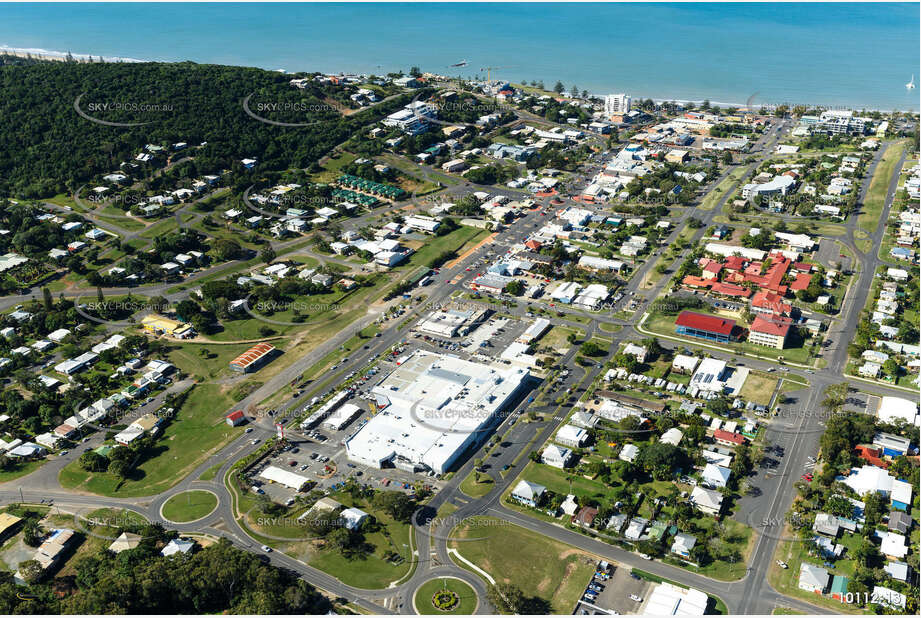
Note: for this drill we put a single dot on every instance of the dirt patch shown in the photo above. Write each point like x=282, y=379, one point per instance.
x=470, y=251
x=569, y=552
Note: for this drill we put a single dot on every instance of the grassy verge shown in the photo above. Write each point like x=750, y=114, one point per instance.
x=474, y=488
x=720, y=190
x=210, y=473
x=875, y=200
x=17, y=469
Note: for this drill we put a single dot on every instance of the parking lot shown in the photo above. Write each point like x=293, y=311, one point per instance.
x=318, y=454
x=613, y=595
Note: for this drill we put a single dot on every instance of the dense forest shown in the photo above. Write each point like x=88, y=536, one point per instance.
x=47, y=147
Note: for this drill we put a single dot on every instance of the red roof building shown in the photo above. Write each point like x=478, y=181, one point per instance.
x=771, y=331
x=252, y=358
x=802, y=267
x=770, y=303
x=696, y=282
x=712, y=270
x=730, y=289
x=235, y=418
x=734, y=263
x=533, y=245
x=705, y=326
x=801, y=282
x=728, y=438
x=872, y=456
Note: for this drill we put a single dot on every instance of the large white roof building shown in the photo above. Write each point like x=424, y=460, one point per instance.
x=439, y=405
x=670, y=600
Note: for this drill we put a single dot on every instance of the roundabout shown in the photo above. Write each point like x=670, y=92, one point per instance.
x=445, y=595
x=189, y=506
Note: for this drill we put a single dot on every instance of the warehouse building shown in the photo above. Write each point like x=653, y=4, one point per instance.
x=253, y=358
x=433, y=409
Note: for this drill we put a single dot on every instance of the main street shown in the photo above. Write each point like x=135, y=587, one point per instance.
x=749, y=594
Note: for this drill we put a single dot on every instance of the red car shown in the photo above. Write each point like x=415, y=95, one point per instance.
x=807, y=477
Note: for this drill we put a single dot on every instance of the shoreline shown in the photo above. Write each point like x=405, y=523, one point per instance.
x=59, y=56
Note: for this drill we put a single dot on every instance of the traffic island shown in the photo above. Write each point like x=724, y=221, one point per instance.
x=445, y=595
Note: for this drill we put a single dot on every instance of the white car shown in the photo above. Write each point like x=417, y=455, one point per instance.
x=248, y=430
x=266, y=548
x=782, y=564
x=633, y=597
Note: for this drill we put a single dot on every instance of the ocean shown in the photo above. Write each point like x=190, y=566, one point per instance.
x=847, y=55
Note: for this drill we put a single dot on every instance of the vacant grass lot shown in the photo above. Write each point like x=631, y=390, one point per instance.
x=550, y=573
x=561, y=482
x=758, y=387
x=197, y=430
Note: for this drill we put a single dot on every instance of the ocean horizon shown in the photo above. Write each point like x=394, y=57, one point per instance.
x=811, y=54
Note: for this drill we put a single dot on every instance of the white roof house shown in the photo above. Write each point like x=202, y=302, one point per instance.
x=867, y=479
x=683, y=544
x=685, y=363
x=893, y=545
x=707, y=500
x=556, y=456
x=526, y=491
x=672, y=436
x=628, y=452
x=720, y=459
x=897, y=570
x=887, y=596
x=715, y=476
x=812, y=578
x=353, y=518
x=893, y=408
x=580, y=418
x=177, y=546
x=570, y=435
x=635, y=350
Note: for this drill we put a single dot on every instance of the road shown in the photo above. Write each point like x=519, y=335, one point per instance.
x=749, y=595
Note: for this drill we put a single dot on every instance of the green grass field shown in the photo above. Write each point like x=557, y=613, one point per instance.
x=189, y=506
x=17, y=469
x=551, y=573
x=467, y=600
x=197, y=430
x=785, y=581
x=373, y=571
x=557, y=481
x=875, y=200
x=474, y=489
x=719, y=191
x=758, y=387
